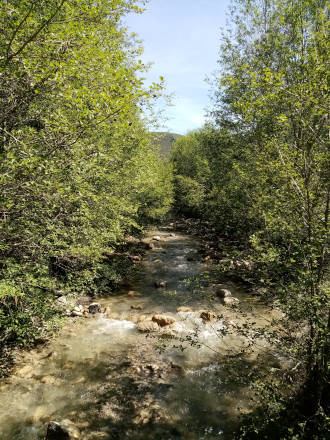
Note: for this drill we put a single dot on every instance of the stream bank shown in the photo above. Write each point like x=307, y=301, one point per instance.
x=104, y=378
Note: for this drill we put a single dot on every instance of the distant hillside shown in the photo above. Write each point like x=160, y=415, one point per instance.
x=165, y=140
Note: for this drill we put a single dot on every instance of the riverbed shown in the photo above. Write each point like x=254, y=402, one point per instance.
x=112, y=381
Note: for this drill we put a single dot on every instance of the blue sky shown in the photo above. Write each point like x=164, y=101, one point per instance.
x=181, y=38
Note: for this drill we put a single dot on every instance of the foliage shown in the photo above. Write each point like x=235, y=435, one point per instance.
x=191, y=170
x=77, y=164
x=269, y=170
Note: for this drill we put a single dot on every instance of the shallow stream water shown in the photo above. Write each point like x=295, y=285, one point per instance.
x=114, y=382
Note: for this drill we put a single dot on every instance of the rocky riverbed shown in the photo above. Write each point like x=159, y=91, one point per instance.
x=148, y=362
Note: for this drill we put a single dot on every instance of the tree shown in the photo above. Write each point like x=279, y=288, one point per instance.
x=269, y=168
x=75, y=153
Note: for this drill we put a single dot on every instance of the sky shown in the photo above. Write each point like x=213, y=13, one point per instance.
x=181, y=38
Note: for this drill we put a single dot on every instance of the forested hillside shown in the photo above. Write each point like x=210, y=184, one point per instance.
x=164, y=141
x=78, y=169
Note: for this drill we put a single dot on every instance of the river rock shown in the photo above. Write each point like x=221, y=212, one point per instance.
x=152, y=367
x=77, y=313
x=176, y=366
x=228, y=301
x=156, y=238
x=163, y=320
x=136, y=258
x=64, y=430
x=133, y=293
x=148, y=326
x=131, y=240
x=207, y=316
x=184, y=309
x=157, y=261
x=61, y=301
x=49, y=380
x=223, y=293
x=159, y=284
x=94, y=308
x=136, y=307
x=151, y=246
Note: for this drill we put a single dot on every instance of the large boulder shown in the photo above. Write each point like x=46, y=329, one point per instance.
x=163, y=320
x=148, y=326
x=207, y=316
x=64, y=430
x=94, y=308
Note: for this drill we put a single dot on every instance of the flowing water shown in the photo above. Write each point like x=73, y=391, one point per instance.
x=114, y=382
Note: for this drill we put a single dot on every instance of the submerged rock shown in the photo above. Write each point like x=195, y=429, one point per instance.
x=64, y=430
x=228, y=301
x=163, y=320
x=136, y=258
x=159, y=284
x=39, y=414
x=184, y=309
x=94, y=308
x=49, y=380
x=133, y=293
x=136, y=307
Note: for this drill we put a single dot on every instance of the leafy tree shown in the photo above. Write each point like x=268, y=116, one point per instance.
x=267, y=152
x=75, y=154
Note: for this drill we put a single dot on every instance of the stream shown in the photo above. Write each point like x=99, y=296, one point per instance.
x=112, y=381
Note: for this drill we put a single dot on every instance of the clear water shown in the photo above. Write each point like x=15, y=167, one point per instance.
x=114, y=382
